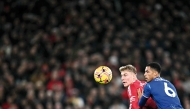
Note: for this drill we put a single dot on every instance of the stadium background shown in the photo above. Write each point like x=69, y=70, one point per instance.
x=49, y=50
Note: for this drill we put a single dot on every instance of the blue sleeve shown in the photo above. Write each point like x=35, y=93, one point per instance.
x=142, y=101
x=147, y=91
x=145, y=96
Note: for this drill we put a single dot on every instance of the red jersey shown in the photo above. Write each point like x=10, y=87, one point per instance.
x=133, y=96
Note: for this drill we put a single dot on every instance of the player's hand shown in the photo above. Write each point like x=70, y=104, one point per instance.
x=139, y=92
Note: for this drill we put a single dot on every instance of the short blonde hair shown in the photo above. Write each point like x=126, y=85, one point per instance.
x=129, y=68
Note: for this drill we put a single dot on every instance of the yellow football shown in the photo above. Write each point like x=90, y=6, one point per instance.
x=103, y=75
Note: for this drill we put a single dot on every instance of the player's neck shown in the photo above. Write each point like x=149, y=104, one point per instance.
x=135, y=79
x=157, y=76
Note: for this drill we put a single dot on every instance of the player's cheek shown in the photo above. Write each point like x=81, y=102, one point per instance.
x=127, y=78
x=123, y=77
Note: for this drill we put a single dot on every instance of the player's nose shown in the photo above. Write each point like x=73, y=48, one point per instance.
x=122, y=78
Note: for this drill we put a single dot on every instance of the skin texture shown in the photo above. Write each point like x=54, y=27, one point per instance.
x=127, y=77
x=150, y=74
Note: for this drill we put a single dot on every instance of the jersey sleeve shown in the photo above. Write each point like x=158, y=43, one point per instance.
x=133, y=98
x=146, y=92
x=145, y=96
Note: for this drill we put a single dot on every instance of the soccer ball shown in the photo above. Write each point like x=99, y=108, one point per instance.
x=103, y=75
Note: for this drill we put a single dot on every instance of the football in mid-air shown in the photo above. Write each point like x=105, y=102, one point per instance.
x=103, y=74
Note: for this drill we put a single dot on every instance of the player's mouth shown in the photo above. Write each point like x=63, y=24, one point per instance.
x=146, y=79
x=124, y=82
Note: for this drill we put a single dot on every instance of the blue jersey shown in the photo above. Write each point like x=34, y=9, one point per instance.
x=163, y=93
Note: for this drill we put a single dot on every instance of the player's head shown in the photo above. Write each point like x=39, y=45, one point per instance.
x=128, y=74
x=152, y=71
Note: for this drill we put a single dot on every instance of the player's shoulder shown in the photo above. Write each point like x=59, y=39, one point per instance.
x=148, y=85
x=159, y=79
x=142, y=82
x=138, y=84
x=134, y=85
x=156, y=81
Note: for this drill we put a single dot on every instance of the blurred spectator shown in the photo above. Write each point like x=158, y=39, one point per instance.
x=49, y=50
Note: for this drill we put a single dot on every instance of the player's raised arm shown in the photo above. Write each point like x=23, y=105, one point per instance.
x=145, y=95
x=142, y=101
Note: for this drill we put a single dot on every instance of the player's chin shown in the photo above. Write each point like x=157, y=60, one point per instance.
x=125, y=84
x=147, y=80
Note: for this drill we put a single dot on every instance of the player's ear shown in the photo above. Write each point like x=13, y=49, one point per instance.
x=156, y=73
x=134, y=75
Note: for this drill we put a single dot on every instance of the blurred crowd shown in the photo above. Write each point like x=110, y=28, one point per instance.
x=49, y=50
